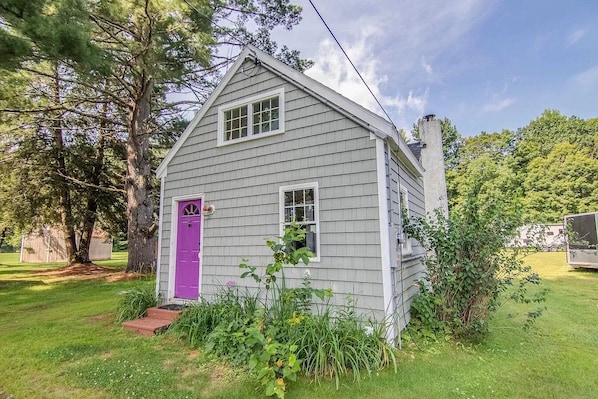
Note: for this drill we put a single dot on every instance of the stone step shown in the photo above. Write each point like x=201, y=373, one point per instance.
x=164, y=314
x=156, y=319
x=146, y=326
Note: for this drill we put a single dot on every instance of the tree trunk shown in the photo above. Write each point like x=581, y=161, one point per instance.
x=64, y=195
x=90, y=217
x=139, y=185
x=3, y=235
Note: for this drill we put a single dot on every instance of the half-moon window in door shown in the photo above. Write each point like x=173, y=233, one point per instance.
x=191, y=210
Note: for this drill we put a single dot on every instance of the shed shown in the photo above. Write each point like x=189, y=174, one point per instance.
x=271, y=145
x=47, y=245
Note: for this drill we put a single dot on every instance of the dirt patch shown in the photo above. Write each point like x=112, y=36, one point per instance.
x=122, y=276
x=194, y=354
x=88, y=271
x=104, y=319
x=220, y=377
x=76, y=269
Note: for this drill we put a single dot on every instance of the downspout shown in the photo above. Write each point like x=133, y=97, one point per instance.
x=393, y=242
x=384, y=220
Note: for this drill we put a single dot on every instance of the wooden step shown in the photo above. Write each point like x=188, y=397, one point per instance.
x=156, y=319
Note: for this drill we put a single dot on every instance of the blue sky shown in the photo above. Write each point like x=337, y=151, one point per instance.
x=486, y=65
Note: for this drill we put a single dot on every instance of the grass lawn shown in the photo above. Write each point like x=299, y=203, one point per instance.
x=58, y=340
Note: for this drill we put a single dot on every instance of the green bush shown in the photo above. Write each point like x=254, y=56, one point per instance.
x=337, y=345
x=229, y=307
x=134, y=303
x=469, y=269
x=276, y=335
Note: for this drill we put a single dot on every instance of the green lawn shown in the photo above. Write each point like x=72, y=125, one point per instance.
x=57, y=340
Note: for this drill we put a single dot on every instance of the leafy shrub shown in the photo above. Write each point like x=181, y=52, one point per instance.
x=134, y=303
x=469, y=269
x=274, y=365
x=198, y=321
x=278, y=336
x=337, y=345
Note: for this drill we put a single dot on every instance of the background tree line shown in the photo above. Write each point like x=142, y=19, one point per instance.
x=540, y=172
x=88, y=105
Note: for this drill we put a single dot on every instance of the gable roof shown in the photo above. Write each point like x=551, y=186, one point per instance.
x=367, y=119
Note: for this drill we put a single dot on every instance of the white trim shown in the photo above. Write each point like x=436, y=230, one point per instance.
x=281, y=191
x=248, y=102
x=174, y=224
x=160, y=227
x=406, y=244
x=162, y=168
x=367, y=119
x=389, y=305
x=360, y=115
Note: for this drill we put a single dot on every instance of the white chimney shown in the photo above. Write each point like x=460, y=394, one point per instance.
x=432, y=159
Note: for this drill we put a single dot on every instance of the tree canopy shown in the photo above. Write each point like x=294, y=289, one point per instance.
x=542, y=171
x=93, y=100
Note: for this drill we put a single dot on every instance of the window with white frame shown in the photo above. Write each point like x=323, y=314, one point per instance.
x=405, y=241
x=251, y=118
x=299, y=203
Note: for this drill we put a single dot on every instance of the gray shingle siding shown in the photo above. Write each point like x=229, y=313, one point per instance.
x=242, y=180
x=409, y=268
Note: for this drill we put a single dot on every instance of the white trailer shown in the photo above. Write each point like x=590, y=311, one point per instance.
x=582, y=240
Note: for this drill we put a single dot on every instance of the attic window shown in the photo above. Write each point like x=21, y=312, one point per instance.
x=251, y=118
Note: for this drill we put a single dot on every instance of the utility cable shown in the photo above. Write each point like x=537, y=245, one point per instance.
x=398, y=172
x=352, y=64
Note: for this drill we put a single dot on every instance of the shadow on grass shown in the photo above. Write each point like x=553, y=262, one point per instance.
x=24, y=271
x=583, y=271
x=18, y=284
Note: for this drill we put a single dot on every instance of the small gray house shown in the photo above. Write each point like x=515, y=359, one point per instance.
x=272, y=145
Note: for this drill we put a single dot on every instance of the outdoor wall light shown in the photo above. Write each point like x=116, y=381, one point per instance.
x=208, y=209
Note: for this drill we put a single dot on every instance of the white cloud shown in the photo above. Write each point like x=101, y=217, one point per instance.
x=427, y=67
x=588, y=78
x=499, y=105
x=575, y=37
x=403, y=48
x=333, y=70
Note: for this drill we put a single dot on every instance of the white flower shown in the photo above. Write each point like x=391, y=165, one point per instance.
x=306, y=273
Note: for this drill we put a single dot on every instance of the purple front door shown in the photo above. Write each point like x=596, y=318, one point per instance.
x=186, y=275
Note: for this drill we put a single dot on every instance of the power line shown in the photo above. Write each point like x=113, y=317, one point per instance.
x=352, y=64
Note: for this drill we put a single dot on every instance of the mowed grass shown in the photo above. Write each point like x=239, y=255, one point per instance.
x=58, y=340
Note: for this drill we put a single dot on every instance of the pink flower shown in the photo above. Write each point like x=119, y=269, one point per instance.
x=231, y=284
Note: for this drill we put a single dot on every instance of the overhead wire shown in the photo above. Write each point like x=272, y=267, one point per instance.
x=352, y=64
x=400, y=255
